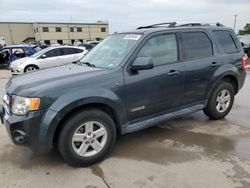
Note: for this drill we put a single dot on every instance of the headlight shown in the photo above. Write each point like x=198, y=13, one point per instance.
x=21, y=105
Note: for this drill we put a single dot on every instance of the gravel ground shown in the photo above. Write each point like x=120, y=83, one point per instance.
x=192, y=151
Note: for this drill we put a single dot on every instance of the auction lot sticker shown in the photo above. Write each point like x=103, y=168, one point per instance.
x=132, y=37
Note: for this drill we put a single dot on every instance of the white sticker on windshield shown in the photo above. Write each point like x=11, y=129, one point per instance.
x=132, y=37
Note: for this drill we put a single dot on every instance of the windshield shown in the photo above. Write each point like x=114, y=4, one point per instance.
x=39, y=53
x=111, y=51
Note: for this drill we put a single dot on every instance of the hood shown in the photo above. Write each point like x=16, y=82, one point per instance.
x=31, y=84
x=21, y=61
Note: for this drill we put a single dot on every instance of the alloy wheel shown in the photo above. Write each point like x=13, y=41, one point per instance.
x=89, y=139
x=223, y=100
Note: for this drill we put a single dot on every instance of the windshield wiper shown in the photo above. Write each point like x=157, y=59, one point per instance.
x=87, y=63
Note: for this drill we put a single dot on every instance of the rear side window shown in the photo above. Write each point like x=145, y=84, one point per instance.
x=162, y=49
x=226, y=41
x=196, y=45
x=69, y=51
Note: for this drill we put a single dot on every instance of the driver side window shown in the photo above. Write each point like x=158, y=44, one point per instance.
x=162, y=49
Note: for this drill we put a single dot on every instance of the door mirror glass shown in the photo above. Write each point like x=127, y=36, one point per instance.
x=142, y=63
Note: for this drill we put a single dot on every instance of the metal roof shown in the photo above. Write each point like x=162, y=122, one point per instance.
x=73, y=23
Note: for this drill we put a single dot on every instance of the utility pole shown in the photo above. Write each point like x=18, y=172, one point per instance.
x=69, y=34
x=11, y=34
x=235, y=20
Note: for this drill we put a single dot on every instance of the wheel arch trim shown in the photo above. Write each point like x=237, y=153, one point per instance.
x=53, y=119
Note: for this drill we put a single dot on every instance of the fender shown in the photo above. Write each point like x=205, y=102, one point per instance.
x=220, y=73
x=60, y=108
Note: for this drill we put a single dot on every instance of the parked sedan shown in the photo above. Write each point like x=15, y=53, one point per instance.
x=11, y=53
x=49, y=57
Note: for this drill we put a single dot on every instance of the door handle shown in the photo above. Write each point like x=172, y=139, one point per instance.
x=173, y=73
x=214, y=64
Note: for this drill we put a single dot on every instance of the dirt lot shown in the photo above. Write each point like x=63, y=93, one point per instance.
x=189, y=152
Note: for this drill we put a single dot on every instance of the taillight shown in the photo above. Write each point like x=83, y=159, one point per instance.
x=244, y=66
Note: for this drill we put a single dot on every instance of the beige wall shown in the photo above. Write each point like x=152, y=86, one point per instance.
x=89, y=32
x=16, y=33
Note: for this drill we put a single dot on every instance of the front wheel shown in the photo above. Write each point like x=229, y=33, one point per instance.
x=87, y=137
x=30, y=68
x=220, y=101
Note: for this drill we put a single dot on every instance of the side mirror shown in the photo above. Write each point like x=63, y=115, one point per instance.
x=43, y=56
x=142, y=63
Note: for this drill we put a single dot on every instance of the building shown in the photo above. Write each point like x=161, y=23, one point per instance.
x=49, y=33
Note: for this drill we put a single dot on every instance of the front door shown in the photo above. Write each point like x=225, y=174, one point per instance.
x=53, y=58
x=157, y=90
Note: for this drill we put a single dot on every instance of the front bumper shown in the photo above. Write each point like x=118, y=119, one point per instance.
x=26, y=130
x=16, y=70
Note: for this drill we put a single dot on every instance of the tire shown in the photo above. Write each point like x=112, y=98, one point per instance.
x=30, y=68
x=215, y=108
x=75, y=150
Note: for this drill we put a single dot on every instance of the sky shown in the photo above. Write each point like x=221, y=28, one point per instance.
x=125, y=15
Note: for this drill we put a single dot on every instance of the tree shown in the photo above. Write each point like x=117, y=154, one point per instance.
x=246, y=30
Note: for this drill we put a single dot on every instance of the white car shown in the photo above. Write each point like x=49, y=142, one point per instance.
x=49, y=57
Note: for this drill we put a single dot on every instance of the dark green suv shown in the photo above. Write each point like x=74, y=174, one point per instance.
x=128, y=82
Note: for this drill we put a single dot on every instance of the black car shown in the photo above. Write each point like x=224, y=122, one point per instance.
x=245, y=41
x=128, y=82
x=86, y=46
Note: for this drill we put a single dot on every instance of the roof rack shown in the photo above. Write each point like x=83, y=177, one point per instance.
x=199, y=24
x=174, y=24
x=169, y=24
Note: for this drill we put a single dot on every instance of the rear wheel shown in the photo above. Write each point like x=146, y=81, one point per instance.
x=87, y=137
x=30, y=68
x=220, y=101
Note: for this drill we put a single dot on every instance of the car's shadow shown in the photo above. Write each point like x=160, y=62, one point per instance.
x=162, y=145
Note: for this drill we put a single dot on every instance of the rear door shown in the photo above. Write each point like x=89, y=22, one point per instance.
x=71, y=55
x=154, y=91
x=201, y=61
